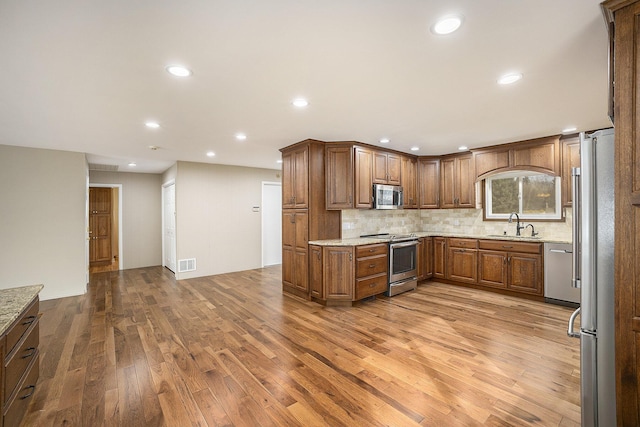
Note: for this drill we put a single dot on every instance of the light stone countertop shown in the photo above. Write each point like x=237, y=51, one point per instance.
x=370, y=240
x=13, y=301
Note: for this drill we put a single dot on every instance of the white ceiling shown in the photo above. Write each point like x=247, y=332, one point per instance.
x=84, y=76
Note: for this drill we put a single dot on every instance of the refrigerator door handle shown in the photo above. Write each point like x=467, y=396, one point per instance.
x=572, y=320
x=575, y=193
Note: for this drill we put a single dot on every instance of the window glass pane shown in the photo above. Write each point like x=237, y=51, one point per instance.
x=538, y=194
x=504, y=195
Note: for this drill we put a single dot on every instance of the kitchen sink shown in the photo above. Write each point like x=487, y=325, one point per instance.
x=513, y=237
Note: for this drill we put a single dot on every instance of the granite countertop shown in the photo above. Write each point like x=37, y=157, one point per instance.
x=356, y=241
x=13, y=301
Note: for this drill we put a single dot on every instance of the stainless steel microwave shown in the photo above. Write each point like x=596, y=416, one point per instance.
x=387, y=196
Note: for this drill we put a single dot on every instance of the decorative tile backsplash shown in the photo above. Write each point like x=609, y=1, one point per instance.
x=356, y=222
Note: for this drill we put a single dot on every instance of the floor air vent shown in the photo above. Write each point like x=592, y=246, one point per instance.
x=186, y=265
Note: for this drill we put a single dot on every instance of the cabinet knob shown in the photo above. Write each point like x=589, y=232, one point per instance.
x=372, y=265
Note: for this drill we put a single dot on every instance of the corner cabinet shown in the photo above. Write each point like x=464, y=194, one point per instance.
x=409, y=181
x=304, y=213
x=428, y=183
x=457, y=181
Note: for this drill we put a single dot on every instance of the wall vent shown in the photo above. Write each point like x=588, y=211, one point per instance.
x=106, y=168
x=186, y=265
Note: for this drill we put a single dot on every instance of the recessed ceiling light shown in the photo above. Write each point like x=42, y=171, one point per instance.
x=132, y=164
x=415, y=148
x=152, y=125
x=510, y=78
x=300, y=102
x=571, y=129
x=153, y=147
x=384, y=140
x=178, y=71
x=211, y=153
x=463, y=147
x=447, y=25
x=241, y=136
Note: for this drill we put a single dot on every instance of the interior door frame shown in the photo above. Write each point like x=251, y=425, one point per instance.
x=165, y=185
x=262, y=225
x=120, y=251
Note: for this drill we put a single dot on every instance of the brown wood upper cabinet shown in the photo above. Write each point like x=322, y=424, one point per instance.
x=386, y=168
x=570, y=159
x=295, y=178
x=409, y=172
x=429, y=182
x=457, y=183
x=537, y=155
x=363, y=180
x=339, y=172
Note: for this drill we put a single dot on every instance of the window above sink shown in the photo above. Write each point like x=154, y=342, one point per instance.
x=533, y=196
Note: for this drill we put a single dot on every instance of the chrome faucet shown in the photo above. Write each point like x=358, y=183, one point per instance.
x=518, y=227
x=533, y=231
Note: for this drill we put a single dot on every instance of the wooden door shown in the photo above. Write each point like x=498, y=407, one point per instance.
x=525, y=273
x=363, y=178
x=338, y=273
x=99, y=225
x=429, y=183
x=492, y=269
x=408, y=173
x=439, y=257
x=339, y=176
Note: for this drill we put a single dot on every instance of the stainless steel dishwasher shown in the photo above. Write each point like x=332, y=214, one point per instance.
x=557, y=275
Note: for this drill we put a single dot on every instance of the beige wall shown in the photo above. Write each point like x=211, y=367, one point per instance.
x=43, y=220
x=215, y=221
x=141, y=215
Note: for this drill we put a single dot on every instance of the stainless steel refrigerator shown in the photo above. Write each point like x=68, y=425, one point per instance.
x=593, y=273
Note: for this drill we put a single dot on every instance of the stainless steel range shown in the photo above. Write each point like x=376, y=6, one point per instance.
x=403, y=251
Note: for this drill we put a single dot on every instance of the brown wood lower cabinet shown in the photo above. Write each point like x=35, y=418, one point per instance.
x=462, y=260
x=343, y=274
x=20, y=361
x=439, y=257
x=515, y=266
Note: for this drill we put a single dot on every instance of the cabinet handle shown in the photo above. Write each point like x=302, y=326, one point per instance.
x=371, y=285
x=507, y=247
x=372, y=265
x=371, y=250
x=33, y=351
x=350, y=257
x=29, y=320
x=350, y=199
x=509, y=259
x=26, y=396
x=318, y=254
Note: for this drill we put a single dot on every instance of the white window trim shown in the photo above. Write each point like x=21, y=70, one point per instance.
x=489, y=207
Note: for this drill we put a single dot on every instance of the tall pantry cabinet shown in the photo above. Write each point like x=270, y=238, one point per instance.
x=304, y=216
x=624, y=105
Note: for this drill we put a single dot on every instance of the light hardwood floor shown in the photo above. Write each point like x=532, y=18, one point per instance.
x=140, y=349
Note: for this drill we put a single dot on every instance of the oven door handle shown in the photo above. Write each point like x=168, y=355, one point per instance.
x=403, y=244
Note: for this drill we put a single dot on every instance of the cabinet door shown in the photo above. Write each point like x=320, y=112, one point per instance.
x=465, y=182
x=428, y=257
x=394, y=169
x=490, y=160
x=363, y=178
x=543, y=156
x=301, y=178
x=315, y=271
x=380, y=174
x=463, y=265
x=525, y=273
x=429, y=183
x=338, y=272
x=570, y=159
x=339, y=170
x=302, y=230
x=301, y=270
x=288, y=172
x=492, y=269
x=439, y=257
x=408, y=173
x=447, y=183
x=420, y=270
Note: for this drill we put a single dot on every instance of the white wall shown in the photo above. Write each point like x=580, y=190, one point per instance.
x=216, y=223
x=141, y=215
x=43, y=226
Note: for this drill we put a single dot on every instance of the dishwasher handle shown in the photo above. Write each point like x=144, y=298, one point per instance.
x=560, y=251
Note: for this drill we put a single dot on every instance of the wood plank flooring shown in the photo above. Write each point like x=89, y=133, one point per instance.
x=140, y=349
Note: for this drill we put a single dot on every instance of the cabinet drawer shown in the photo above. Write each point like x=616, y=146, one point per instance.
x=371, y=250
x=370, y=266
x=21, y=325
x=16, y=366
x=510, y=246
x=463, y=243
x=371, y=286
x=18, y=407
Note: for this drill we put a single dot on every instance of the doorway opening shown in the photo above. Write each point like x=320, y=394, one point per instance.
x=105, y=230
x=169, y=225
x=271, y=223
